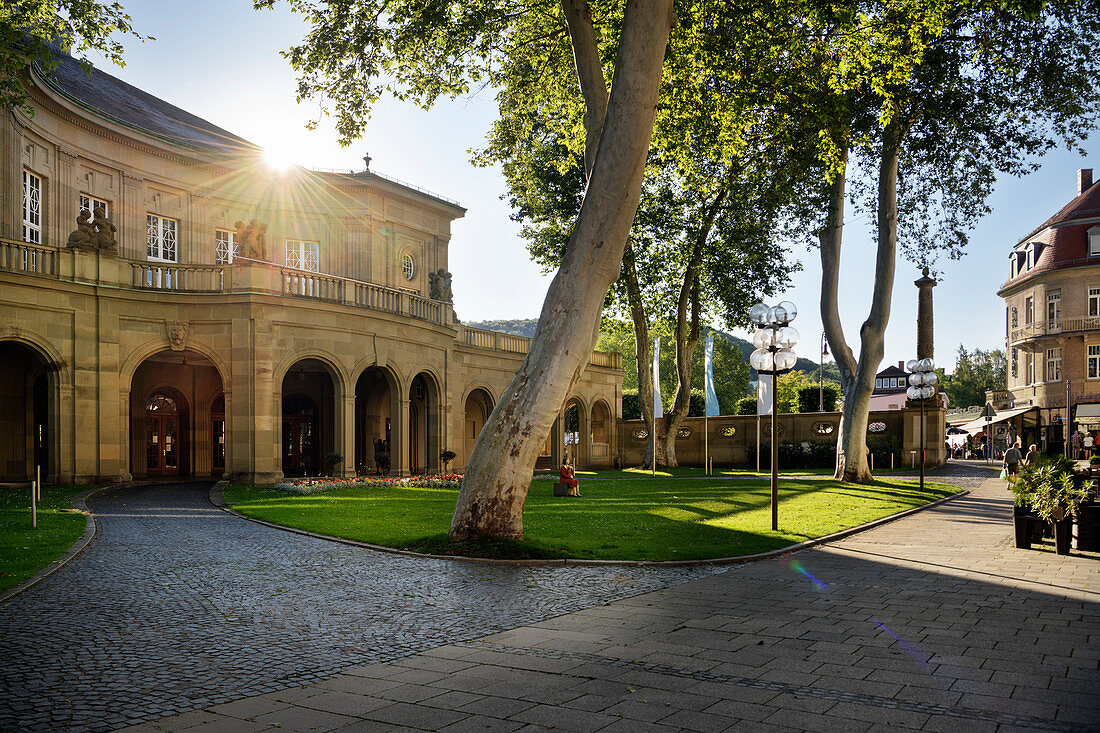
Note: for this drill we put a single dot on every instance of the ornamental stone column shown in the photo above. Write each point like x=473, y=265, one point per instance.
x=924, y=315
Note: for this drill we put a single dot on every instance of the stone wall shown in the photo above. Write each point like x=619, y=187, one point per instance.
x=732, y=437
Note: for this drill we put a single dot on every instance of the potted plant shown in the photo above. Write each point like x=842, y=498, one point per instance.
x=1050, y=492
x=447, y=456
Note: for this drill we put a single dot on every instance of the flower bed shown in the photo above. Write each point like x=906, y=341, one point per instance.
x=319, y=484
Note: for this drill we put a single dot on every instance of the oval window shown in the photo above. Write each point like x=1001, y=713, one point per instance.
x=778, y=429
x=683, y=433
x=823, y=428
x=728, y=431
x=408, y=267
x=876, y=427
x=640, y=434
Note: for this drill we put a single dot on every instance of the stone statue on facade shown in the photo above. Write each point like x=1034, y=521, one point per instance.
x=104, y=229
x=252, y=239
x=84, y=236
x=177, y=334
x=435, y=286
x=448, y=295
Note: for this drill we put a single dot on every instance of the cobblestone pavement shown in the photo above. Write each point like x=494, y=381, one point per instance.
x=177, y=606
x=933, y=622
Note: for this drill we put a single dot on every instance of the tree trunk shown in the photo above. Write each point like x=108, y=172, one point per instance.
x=499, y=472
x=858, y=378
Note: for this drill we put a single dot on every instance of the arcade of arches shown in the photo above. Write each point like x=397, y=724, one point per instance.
x=179, y=421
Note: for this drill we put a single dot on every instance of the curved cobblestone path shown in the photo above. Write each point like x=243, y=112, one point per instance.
x=176, y=606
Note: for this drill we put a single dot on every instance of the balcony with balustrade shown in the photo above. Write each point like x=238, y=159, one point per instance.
x=1035, y=336
x=244, y=276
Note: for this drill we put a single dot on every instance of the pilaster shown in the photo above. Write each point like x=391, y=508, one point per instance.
x=130, y=219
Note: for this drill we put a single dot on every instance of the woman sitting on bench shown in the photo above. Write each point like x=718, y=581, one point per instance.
x=568, y=477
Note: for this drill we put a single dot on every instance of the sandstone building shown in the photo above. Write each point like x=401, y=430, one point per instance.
x=170, y=306
x=1052, y=323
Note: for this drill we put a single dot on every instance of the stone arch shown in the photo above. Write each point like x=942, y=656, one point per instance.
x=477, y=403
x=30, y=411
x=602, y=434
x=575, y=430
x=138, y=355
x=311, y=405
x=376, y=401
x=44, y=348
x=425, y=401
x=179, y=444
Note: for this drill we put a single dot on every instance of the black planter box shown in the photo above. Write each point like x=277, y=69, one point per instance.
x=1063, y=535
x=1088, y=527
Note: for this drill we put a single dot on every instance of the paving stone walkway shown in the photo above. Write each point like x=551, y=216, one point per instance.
x=177, y=606
x=933, y=622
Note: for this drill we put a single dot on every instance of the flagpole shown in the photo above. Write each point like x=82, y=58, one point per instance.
x=706, y=445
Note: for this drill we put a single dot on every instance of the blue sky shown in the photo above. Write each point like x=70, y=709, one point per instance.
x=220, y=60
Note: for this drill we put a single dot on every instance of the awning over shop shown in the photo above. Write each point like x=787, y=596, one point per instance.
x=976, y=426
x=1087, y=414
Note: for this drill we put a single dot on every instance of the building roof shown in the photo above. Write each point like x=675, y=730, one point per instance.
x=1086, y=205
x=892, y=371
x=116, y=101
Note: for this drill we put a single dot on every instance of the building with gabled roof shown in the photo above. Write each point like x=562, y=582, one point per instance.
x=1052, y=321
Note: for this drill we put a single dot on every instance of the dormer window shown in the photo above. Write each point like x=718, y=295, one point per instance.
x=1030, y=255
x=1094, y=241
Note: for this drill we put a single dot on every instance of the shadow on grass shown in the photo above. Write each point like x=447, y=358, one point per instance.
x=619, y=520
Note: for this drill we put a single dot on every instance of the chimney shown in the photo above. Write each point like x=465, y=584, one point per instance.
x=1084, y=179
x=901, y=365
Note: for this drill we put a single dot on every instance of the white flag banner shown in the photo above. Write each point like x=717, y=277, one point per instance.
x=712, y=396
x=764, y=394
x=658, y=408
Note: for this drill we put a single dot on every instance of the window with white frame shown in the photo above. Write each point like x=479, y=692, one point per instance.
x=878, y=384
x=160, y=237
x=408, y=266
x=1054, y=365
x=1029, y=361
x=1030, y=256
x=32, y=208
x=1029, y=310
x=1094, y=302
x=225, y=246
x=1094, y=241
x=303, y=255
x=88, y=203
x=1054, y=305
x=1092, y=365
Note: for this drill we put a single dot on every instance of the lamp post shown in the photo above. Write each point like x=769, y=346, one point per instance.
x=774, y=341
x=922, y=387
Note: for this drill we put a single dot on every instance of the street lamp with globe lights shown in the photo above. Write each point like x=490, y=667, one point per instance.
x=774, y=355
x=922, y=387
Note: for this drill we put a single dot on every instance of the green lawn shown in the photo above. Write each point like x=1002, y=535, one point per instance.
x=23, y=550
x=698, y=472
x=625, y=519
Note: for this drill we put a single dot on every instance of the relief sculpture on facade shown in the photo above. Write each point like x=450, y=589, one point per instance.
x=439, y=286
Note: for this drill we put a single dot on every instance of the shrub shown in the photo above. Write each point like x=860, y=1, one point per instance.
x=447, y=456
x=746, y=406
x=809, y=397
x=632, y=408
x=815, y=454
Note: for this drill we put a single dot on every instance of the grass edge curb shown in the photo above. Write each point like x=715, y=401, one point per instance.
x=217, y=499
x=78, y=503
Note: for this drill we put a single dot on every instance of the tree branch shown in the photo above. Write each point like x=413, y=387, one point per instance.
x=586, y=55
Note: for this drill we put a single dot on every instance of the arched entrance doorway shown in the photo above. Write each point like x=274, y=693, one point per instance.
x=309, y=418
x=27, y=401
x=172, y=430
x=600, y=447
x=478, y=406
x=576, y=443
x=423, y=425
x=164, y=410
x=375, y=393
